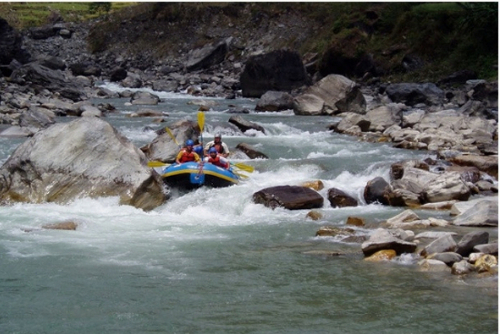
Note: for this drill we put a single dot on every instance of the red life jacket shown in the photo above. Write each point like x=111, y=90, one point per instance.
x=217, y=162
x=187, y=156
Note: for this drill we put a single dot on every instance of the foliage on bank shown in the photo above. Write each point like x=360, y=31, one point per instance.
x=443, y=37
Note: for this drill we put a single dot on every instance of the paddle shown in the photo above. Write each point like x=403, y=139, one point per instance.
x=201, y=124
x=242, y=166
x=157, y=164
x=243, y=176
x=172, y=136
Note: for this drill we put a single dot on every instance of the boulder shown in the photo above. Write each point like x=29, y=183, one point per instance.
x=487, y=164
x=350, y=119
x=117, y=74
x=430, y=265
x=429, y=187
x=85, y=69
x=251, y=151
x=207, y=56
x=468, y=241
x=332, y=231
x=447, y=257
x=315, y=185
x=245, y=125
x=165, y=148
x=483, y=213
x=274, y=101
x=415, y=93
x=52, y=62
x=289, y=197
x=446, y=187
x=308, y=104
x=486, y=263
x=35, y=120
x=404, y=217
x=383, y=239
x=144, y=98
x=86, y=157
x=462, y=268
x=339, y=199
x=443, y=244
x=376, y=190
x=44, y=77
x=383, y=117
x=339, y=94
x=279, y=70
x=381, y=255
x=487, y=248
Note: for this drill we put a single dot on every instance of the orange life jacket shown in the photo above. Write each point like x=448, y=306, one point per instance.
x=217, y=162
x=187, y=156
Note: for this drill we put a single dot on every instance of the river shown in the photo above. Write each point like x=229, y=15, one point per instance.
x=211, y=261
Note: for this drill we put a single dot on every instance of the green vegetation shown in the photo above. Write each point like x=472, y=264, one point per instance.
x=22, y=15
x=445, y=36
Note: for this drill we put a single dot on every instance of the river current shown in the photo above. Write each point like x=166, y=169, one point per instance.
x=211, y=261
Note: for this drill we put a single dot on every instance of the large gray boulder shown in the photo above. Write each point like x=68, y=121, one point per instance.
x=45, y=78
x=86, y=157
x=483, y=213
x=274, y=101
x=339, y=94
x=165, y=147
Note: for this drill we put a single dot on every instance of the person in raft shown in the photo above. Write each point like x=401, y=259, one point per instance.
x=215, y=158
x=187, y=154
x=221, y=147
x=199, y=150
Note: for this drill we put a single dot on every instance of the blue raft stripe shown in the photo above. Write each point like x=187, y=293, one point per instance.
x=193, y=168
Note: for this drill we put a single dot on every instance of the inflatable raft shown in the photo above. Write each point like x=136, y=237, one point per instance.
x=191, y=175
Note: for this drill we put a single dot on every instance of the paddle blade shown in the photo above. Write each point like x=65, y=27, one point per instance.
x=244, y=167
x=243, y=176
x=171, y=135
x=157, y=164
x=201, y=120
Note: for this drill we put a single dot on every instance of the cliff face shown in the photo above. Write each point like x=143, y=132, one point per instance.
x=402, y=41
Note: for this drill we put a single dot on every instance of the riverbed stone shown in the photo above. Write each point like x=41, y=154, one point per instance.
x=433, y=265
x=486, y=262
x=462, y=268
x=289, y=197
x=483, y=213
x=447, y=257
x=443, y=244
x=383, y=239
x=471, y=239
x=339, y=199
x=491, y=248
x=381, y=255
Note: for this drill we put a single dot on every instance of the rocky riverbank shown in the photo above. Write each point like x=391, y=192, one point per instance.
x=48, y=72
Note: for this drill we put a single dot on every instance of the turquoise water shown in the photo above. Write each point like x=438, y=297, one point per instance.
x=211, y=261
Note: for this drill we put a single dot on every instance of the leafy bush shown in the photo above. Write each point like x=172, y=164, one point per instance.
x=99, y=7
